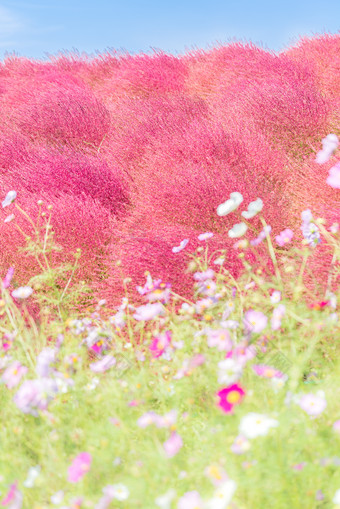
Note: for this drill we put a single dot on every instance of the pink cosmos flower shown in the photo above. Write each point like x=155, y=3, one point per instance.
x=173, y=445
x=284, y=237
x=160, y=343
x=205, y=236
x=182, y=245
x=104, y=364
x=278, y=314
x=336, y=426
x=313, y=404
x=149, y=311
x=13, y=497
x=189, y=365
x=240, y=445
x=229, y=397
x=13, y=374
x=190, y=500
x=255, y=321
x=8, y=278
x=333, y=178
x=266, y=371
x=242, y=354
x=80, y=465
x=203, y=276
x=219, y=338
x=147, y=419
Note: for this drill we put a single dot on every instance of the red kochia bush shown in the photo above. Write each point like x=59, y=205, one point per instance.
x=66, y=171
x=146, y=245
x=60, y=110
x=291, y=114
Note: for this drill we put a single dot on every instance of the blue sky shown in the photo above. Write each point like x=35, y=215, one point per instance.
x=37, y=28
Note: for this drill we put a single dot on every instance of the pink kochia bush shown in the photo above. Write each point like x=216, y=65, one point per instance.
x=135, y=154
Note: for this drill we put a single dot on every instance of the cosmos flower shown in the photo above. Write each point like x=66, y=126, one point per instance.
x=181, y=246
x=253, y=425
x=229, y=397
x=80, y=465
x=10, y=197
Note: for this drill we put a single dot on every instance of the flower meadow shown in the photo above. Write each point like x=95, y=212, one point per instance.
x=169, y=308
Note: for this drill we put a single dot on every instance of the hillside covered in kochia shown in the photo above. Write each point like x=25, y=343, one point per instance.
x=135, y=154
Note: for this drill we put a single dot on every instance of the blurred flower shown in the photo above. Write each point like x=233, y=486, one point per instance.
x=118, y=491
x=238, y=230
x=299, y=466
x=8, y=278
x=219, y=338
x=9, y=218
x=57, y=498
x=255, y=321
x=229, y=397
x=80, y=465
x=173, y=445
x=205, y=236
x=266, y=371
x=284, y=237
x=333, y=178
x=229, y=371
x=319, y=495
x=160, y=343
x=275, y=297
x=22, y=293
x=35, y=394
x=46, y=357
x=14, y=497
x=230, y=205
x=181, y=246
x=203, y=276
x=313, y=404
x=261, y=236
x=33, y=473
x=277, y=316
x=147, y=419
x=309, y=230
x=329, y=145
x=336, y=498
x=103, y=364
x=164, y=501
x=149, y=311
x=336, y=426
x=13, y=374
x=216, y=474
x=10, y=197
x=253, y=425
x=222, y=496
x=240, y=445
x=220, y=260
x=254, y=208
x=190, y=500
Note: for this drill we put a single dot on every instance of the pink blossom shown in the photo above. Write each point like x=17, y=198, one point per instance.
x=181, y=246
x=8, y=278
x=240, y=445
x=219, y=338
x=160, y=343
x=203, y=276
x=190, y=500
x=336, y=426
x=284, y=237
x=13, y=374
x=103, y=364
x=255, y=321
x=205, y=236
x=149, y=311
x=173, y=445
x=229, y=397
x=313, y=404
x=13, y=497
x=333, y=178
x=266, y=371
x=80, y=465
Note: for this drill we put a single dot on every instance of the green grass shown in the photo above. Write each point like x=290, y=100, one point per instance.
x=80, y=419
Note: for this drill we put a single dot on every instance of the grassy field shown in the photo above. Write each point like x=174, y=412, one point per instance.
x=228, y=400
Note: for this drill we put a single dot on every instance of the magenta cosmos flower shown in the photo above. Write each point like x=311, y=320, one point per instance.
x=14, y=497
x=285, y=237
x=80, y=465
x=229, y=397
x=160, y=343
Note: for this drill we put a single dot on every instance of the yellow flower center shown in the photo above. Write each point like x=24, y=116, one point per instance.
x=233, y=397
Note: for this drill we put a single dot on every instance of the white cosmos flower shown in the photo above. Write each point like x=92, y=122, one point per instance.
x=222, y=496
x=10, y=197
x=253, y=425
x=9, y=218
x=230, y=205
x=238, y=230
x=164, y=501
x=254, y=208
x=336, y=498
x=117, y=491
x=22, y=293
x=31, y=476
x=181, y=246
